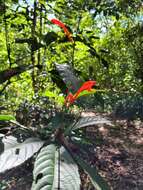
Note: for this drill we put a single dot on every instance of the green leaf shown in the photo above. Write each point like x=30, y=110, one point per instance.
x=89, y=121
x=46, y=170
x=69, y=77
x=86, y=92
x=16, y=153
x=60, y=99
x=42, y=2
x=98, y=182
x=6, y=117
x=50, y=94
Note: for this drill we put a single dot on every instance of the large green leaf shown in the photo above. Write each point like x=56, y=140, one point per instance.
x=69, y=77
x=47, y=173
x=89, y=121
x=6, y=117
x=98, y=182
x=16, y=153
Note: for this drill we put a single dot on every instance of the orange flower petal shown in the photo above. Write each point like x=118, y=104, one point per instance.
x=86, y=86
x=62, y=25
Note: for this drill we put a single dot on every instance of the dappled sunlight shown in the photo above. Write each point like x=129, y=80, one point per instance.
x=71, y=95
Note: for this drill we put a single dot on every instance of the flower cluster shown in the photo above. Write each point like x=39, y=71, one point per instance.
x=86, y=86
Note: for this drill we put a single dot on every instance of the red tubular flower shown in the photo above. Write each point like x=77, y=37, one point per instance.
x=57, y=22
x=62, y=25
x=86, y=86
x=69, y=99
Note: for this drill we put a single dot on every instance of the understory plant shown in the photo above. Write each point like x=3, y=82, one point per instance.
x=58, y=144
x=58, y=149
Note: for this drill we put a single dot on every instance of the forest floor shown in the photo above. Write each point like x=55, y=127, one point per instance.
x=118, y=156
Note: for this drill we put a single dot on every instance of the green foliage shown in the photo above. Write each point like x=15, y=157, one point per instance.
x=107, y=47
x=55, y=165
x=90, y=121
x=46, y=170
x=6, y=117
x=17, y=151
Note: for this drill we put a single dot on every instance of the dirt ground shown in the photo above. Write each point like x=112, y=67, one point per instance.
x=118, y=156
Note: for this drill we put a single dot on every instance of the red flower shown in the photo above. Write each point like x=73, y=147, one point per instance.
x=86, y=86
x=57, y=22
x=62, y=25
x=69, y=99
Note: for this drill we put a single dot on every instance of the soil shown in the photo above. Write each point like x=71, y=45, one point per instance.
x=117, y=154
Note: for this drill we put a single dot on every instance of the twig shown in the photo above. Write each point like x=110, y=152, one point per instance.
x=7, y=37
x=59, y=168
x=17, y=123
x=33, y=27
x=40, y=32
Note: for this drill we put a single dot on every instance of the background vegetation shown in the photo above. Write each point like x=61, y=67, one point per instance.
x=107, y=47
